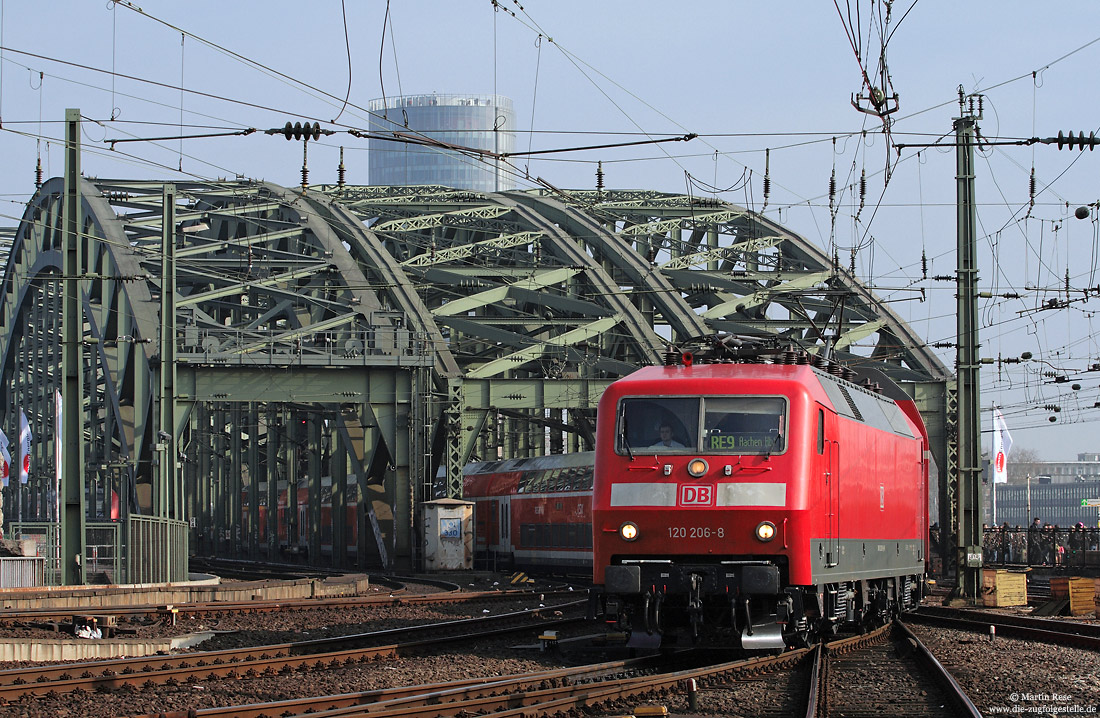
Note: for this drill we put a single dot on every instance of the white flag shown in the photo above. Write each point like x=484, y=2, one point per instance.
x=24, y=448
x=57, y=436
x=1002, y=443
x=5, y=459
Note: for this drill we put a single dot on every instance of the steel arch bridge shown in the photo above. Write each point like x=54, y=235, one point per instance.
x=346, y=349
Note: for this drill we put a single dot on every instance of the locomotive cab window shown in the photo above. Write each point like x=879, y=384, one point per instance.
x=658, y=425
x=729, y=425
x=744, y=424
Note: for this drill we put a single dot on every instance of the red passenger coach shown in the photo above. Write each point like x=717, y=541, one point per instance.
x=533, y=512
x=761, y=494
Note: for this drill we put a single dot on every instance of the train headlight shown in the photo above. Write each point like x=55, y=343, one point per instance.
x=697, y=467
x=628, y=531
x=765, y=531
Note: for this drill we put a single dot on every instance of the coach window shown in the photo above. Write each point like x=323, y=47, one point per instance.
x=744, y=425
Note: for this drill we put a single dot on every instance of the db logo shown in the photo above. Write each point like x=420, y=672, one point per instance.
x=696, y=495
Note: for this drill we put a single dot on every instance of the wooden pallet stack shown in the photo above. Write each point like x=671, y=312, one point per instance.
x=1080, y=591
x=1003, y=588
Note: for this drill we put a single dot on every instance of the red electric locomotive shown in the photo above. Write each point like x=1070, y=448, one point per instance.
x=761, y=493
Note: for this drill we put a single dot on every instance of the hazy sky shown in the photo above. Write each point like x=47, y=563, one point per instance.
x=745, y=76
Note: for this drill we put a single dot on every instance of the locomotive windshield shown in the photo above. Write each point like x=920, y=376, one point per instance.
x=743, y=424
x=729, y=425
x=659, y=425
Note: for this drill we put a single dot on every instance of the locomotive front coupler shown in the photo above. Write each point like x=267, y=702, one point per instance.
x=695, y=604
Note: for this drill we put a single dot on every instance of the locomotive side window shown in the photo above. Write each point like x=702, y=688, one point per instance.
x=744, y=424
x=820, y=431
x=658, y=425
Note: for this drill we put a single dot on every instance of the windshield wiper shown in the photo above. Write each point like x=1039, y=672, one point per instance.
x=777, y=444
x=626, y=441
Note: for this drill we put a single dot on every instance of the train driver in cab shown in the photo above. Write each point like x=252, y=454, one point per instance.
x=666, y=441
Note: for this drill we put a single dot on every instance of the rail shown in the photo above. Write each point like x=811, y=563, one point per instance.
x=159, y=670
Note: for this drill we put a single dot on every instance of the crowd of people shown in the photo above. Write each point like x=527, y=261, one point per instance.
x=1040, y=544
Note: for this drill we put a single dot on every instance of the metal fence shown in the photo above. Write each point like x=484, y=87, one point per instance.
x=22, y=571
x=143, y=549
x=103, y=552
x=47, y=540
x=158, y=550
x=1047, y=546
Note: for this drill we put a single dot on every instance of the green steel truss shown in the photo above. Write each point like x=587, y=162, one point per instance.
x=356, y=346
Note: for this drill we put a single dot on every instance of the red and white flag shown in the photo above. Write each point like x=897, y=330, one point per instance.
x=24, y=448
x=5, y=459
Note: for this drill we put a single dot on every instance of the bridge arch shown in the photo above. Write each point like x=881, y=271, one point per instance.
x=352, y=347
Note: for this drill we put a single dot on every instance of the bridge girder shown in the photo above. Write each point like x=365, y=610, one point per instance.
x=387, y=335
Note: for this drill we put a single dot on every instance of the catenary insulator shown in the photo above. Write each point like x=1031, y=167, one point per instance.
x=862, y=188
x=1031, y=192
x=599, y=177
x=340, y=172
x=923, y=264
x=767, y=175
x=305, y=165
x=38, y=174
x=832, y=189
x=298, y=131
x=1081, y=141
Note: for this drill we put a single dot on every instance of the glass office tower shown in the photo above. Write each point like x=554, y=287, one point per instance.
x=485, y=122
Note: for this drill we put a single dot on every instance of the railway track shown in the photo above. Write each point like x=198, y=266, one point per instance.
x=890, y=673
x=464, y=694
x=1046, y=630
x=112, y=601
x=243, y=570
x=9, y=617
x=611, y=687
x=889, y=668
x=282, y=658
x=591, y=688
